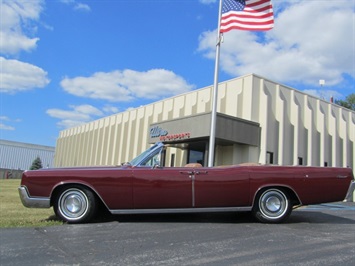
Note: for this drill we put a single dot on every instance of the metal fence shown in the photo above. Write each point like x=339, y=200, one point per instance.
x=10, y=173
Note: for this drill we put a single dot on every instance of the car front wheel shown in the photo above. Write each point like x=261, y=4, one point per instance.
x=75, y=205
x=272, y=206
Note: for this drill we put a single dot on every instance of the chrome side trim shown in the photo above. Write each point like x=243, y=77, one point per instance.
x=342, y=176
x=349, y=194
x=32, y=202
x=182, y=210
x=193, y=189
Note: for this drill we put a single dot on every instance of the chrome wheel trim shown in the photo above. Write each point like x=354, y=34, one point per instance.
x=73, y=204
x=273, y=204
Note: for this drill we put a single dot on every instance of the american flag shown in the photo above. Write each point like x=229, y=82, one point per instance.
x=253, y=15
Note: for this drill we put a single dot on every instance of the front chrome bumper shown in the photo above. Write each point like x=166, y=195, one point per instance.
x=350, y=194
x=32, y=202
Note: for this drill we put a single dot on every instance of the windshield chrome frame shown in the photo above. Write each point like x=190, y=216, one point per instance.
x=147, y=154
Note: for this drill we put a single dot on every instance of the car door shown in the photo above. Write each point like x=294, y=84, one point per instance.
x=162, y=187
x=221, y=187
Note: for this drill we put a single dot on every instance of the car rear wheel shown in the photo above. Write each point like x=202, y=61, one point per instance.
x=272, y=206
x=75, y=205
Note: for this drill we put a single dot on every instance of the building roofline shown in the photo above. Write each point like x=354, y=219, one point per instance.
x=209, y=86
x=26, y=145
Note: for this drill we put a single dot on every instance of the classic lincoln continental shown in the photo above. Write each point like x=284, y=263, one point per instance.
x=144, y=185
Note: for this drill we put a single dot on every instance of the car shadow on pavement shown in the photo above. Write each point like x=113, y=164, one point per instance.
x=297, y=216
x=240, y=217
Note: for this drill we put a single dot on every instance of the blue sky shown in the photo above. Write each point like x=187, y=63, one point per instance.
x=67, y=62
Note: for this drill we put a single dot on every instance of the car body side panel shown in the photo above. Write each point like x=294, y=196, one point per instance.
x=270, y=176
x=113, y=185
x=222, y=187
x=161, y=188
x=323, y=186
x=312, y=185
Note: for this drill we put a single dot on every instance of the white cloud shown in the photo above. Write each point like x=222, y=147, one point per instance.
x=16, y=29
x=77, y=5
x=78, y=114
x=13, y=42
x=6, y=127
x=19, y=76
x=310, y=41
x=324, y=94
x=127, y=85
x=6, y=119
x=82, y=7
x=110, y=109
x=81, y=112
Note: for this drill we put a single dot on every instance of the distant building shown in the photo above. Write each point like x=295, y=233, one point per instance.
x=20, y=156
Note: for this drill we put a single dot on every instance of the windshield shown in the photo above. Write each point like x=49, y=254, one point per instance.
x=145, y=156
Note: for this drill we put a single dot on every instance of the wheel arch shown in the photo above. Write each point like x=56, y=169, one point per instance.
x=60, y=187
x=295, y=200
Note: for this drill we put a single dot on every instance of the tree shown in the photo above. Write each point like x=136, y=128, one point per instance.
x=36, y=164
x=349, y=102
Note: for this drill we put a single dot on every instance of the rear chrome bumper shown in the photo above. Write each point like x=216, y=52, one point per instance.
x=350, y=194
x=32, y=202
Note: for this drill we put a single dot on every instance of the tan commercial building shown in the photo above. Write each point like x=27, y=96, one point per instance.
x=258, y=121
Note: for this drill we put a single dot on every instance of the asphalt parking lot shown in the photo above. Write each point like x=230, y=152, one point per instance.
x=314, y=235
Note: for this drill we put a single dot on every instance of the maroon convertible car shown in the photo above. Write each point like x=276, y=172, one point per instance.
x=144, y=185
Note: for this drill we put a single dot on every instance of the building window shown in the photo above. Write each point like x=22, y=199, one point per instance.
x=300, y=161
x=197, y=152
x=269, y=157
x=172, y=160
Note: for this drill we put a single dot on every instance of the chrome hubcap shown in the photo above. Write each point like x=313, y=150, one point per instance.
x=273, y=204
x=73, y=204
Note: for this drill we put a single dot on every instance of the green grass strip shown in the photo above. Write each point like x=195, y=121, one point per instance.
x=14, y=214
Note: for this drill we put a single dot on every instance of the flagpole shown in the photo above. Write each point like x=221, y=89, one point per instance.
x=215, y=92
